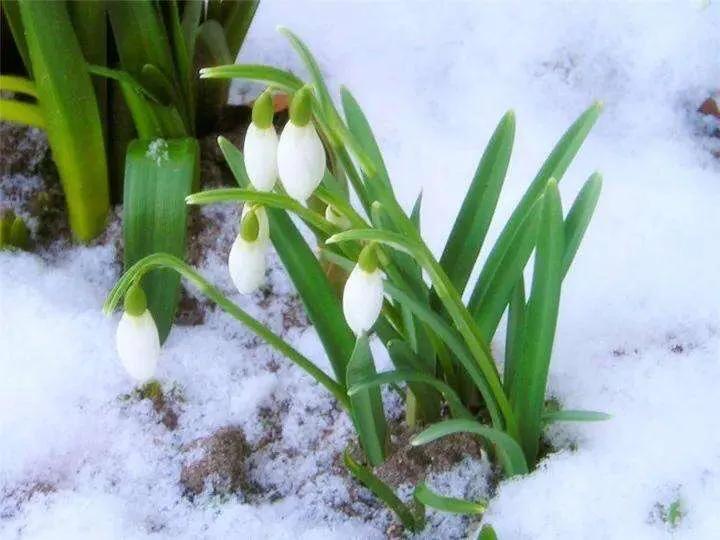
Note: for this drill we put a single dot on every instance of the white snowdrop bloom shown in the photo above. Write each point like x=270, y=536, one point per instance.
x=363, y=293
x=137, y=339
x=301, y=155
x=246, y=261
x=261, y=145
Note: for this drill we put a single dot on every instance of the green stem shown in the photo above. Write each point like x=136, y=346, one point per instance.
x=164, y=260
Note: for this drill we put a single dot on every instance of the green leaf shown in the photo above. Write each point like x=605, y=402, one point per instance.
x=568, y=415
x=255, y=72
x=366, y=405
x=159, y=174
x=473, y=220
x=491, y=295
x=415, y=214
x=414, y=376
x=321, y=303
x=509, y=452
x=554, y=167
x=273, y=200
x=140, y=37
x=211, y=49
x=513, y=336
x=72, y=118
x=428, y=497
x=20, y=112
x=164, y=261
x=18, y=85
x=579, y=216
x=530, y=381
x=487, y=533
x=237, y=17
x=383, y=492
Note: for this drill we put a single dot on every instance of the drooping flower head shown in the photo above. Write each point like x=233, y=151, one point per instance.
x=363, y=294
x=137, y=339
x=301, y=155
x=261, y=145
x=246, y=262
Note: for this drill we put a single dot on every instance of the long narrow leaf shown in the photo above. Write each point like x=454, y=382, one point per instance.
x=567, y=415
x=237, y=17
x=366, y=405
x=473, y=221
x=530, y=380
x=510, y=453
x=73, y=125
x=426, y=398
x=383, y=492
x=11, y=10
x=514, y=337
x=579, y=216
x=20, y=112
x=453, y=505
x=18, y=85
x=159, y=174
x=255, y=72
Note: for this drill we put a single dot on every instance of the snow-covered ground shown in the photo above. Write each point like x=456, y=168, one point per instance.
x=639, y=327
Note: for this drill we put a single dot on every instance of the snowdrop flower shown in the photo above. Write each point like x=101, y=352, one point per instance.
x=247, y=255
x=261, y=145
x=363, y=294
x=301, y=156
x=336, y=218
x=137, y=339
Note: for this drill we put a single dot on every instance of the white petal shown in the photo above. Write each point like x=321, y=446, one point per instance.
x=264, y=226
x=260, y=151
x=300, y=160
x=362, y=299
x=138, y=345
x=247, y=264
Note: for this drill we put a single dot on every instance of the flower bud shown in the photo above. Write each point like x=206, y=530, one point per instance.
x=137, y=339
x=363, y=294
x=261, y=145
x=246, y=261
x=301, y=155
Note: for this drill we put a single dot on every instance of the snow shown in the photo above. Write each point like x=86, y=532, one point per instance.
x=639, y=325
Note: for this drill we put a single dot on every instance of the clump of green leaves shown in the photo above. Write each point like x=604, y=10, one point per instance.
x=439, y=344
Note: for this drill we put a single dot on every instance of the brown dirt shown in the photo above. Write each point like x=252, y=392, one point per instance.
x=221, y=467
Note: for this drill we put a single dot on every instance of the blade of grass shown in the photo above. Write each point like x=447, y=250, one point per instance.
x=509, y=452
x=383, y=492
x=530, y=380
x=487, y=533
x=428, y=497
x=321, y=303
x=366, y=405
x=66, y=96
x=159, y=175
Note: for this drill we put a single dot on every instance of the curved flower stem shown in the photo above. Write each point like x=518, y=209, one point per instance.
x=164, y=260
